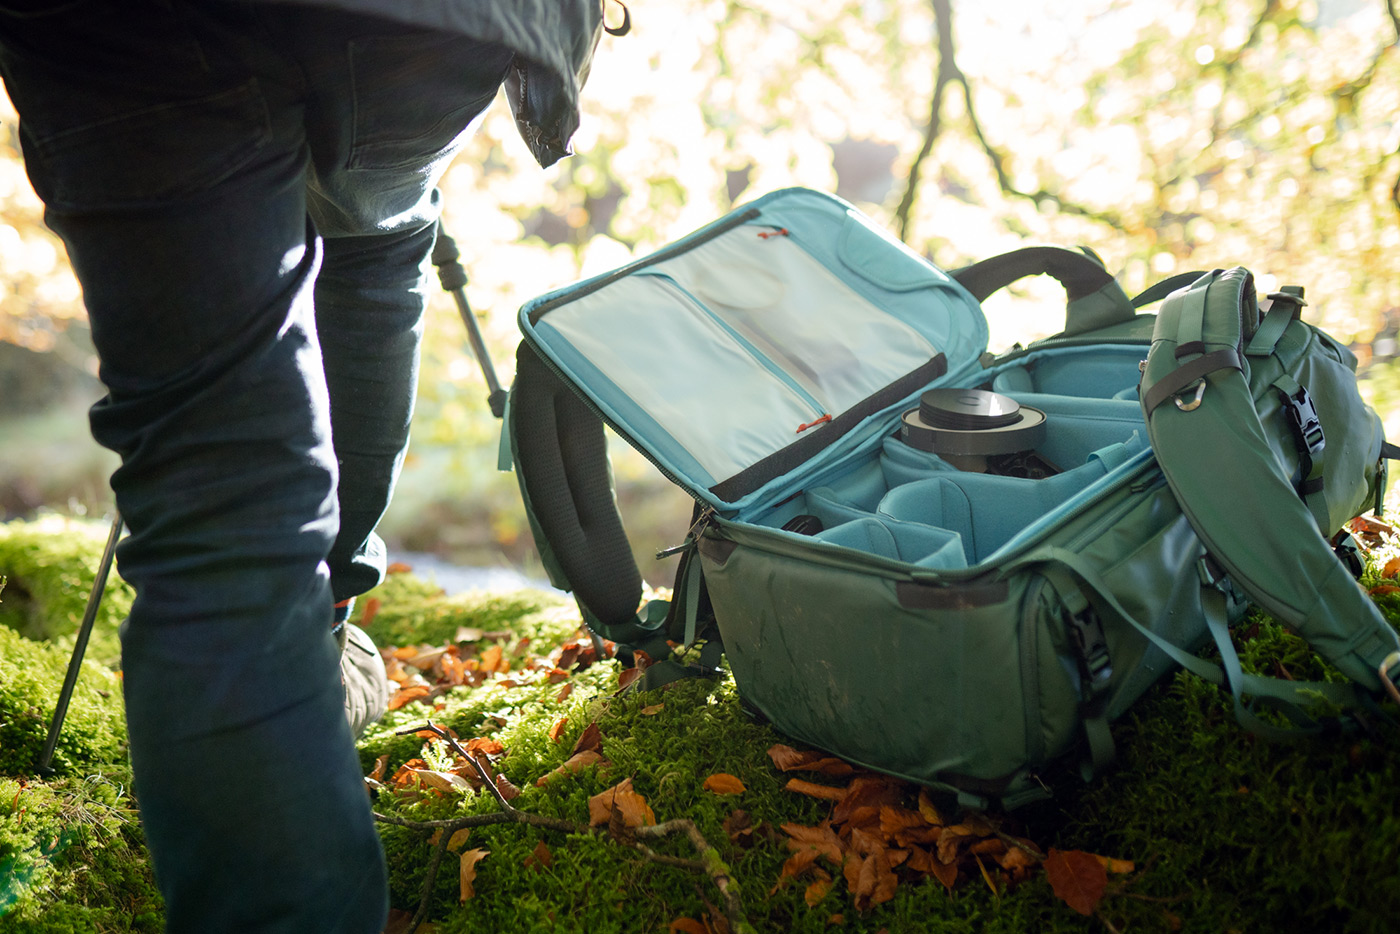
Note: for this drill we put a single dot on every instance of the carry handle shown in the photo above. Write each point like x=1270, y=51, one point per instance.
x=1096, y=300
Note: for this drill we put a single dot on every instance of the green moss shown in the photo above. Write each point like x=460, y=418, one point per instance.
x=72, y=858
x=48, y=567
x=31, y=676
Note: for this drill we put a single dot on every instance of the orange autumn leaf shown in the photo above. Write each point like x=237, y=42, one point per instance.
x=622, y=800
x=687, y=926
x=564, y=692
x=408, y=694
x=491, y=659
x=1078, y=878
x=1116, y=866
x=930, y=811
x=821, y=838
x=485, y=746
x=380, y=765
x=575, y=763
x=814, y=790
x=370, y=611
x=558, y=729
x=398, y=567
x=469, y=860
x=788, y=759
x=1392, y=567
x=870, y=791
x=626, y=676
x=722, y=783
x=816, y=892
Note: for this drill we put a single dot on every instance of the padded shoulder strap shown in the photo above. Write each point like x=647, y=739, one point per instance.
x=1095, y=298
x=1218, y=459
x=561, y=460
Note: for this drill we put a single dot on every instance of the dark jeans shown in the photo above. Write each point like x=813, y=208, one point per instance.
x=247, y=194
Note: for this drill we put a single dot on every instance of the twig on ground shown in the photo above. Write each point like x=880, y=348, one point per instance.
x=709, y=862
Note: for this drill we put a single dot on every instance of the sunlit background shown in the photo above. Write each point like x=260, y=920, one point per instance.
x=1167, y=135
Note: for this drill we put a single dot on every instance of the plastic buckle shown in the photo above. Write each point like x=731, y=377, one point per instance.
x=1388, y=663
x=1302, y=418
x=1086, y=632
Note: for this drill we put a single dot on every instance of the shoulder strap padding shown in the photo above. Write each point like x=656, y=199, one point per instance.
x=1095, y=300
x=1232, y=479
x=565, y=478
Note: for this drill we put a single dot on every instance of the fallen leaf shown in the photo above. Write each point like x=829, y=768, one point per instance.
x=627, y=676
x=380, y=765
x=894, y=820
x=652, y=710
x=622, y=800
x=443, y=781
x=788, y=759
x=556, y=676
x=590, y=738
x=739, y=827
x=1382, y=589
x=929, y=811
x=398, y=567
x=816, y=892
x=540, y=858
x=866, y=791
x=484, y=745
x=369, y=612
x=575, y=763
x=492, y=660
x=458, y=839
x=836, y=919
x=408, y=694
x=468, y=634
x=1116, y=866
x=564, y=692
x=816, y=791
x=687, y=926
x=558, y=729
x=722, y=783
x=1078, y=878
x=469, y=860
x=822, y=838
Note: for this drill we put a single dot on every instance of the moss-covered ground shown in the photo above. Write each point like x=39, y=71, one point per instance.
x=1226, y=832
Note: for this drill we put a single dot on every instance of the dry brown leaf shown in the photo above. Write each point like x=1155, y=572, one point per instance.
x=408, y=694
x=626, y=676
x=458, y=839
x=368, y=614
x=816, y=892
x=816, y=791
x=591, y=738
x=443, y=781
x=788, y=759
x=623, y=800
x=398, y=567
x=722, y=783
x=575, y=763
x=380, y=764
x=894, y=820
x=558, y=729
x=468, y=634
x=540, y=858
x=866, y=843
x=1077, y=877
x=886, y=882
x=872, y=791
x=652, y=710
x=469, y=859
x=929, y=810
x=739, y=827
x=564, y=692
x=687, y=926
x=491, y=659
x=821, y=837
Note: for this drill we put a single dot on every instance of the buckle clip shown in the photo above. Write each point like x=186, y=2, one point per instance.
x=1086, y=632
x=1302, y=418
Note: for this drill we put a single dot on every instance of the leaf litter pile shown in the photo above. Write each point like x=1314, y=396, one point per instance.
x=880, y=834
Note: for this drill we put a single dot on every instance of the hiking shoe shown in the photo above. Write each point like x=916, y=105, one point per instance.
x=362, y=673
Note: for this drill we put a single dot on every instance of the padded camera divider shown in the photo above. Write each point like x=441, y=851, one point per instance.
x=562, y=463
x=918, y=544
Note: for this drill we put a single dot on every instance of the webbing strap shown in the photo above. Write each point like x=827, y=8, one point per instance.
x=1289, y=697
x=1187, y=374
x=1266, y=338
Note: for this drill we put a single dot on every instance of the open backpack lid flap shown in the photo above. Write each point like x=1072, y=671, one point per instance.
x=1203, y=394
x=750, y=348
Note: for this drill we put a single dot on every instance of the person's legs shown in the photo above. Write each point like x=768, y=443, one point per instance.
x=388, y=108
x=171, y=155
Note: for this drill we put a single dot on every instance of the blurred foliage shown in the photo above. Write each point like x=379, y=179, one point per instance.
x=1167, y=136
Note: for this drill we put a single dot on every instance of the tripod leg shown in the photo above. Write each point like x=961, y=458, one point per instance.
x=75, y=663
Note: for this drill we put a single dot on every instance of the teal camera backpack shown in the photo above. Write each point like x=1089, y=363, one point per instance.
x=938, y=563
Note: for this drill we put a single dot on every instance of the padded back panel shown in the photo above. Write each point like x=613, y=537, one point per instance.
x=562, y=462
